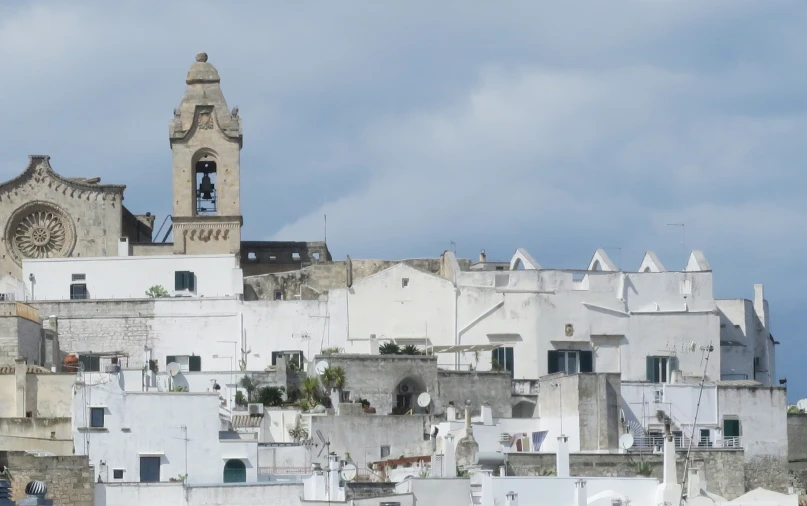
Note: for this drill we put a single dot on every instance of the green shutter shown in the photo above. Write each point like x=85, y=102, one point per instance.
x=191, y=281
x=731, y=428
x=586, y=361
x=651, y=371
x=508, y=359
x=169, y=359
x=552, y=362
x=179, y=279
x=194, y=363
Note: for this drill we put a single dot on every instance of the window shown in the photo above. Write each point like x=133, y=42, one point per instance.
x=79, y=277
x=570, y=361
x=404, y=282
x=149, y=469
x=184, y=280
x=96, y=417
x=731, y=433
x=252, y=257
x=235, y=471
x=78, y=291
x=502, y=358
x=117, y=474
x=705, y=439
x=278, y=295
x=499, y=267
x=190, y=363
x=295, y=256
x=657, y=369
x=686, y=287
x=292, y=357
x=91, y=364
x=403, y=401
x=316, y=255
x=384, y=451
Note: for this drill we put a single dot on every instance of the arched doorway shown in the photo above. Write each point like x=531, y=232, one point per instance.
x=235, y=471
x=406, y=394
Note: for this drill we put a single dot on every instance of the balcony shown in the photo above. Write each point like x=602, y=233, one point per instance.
x=656, y=443
x=525, y=387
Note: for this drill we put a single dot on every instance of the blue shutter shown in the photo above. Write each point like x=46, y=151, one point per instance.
x=191, y=281
x=586, y=361
x=651, y=371
x=179, y=280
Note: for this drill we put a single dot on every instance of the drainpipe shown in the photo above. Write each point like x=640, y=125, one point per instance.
x=456, y=326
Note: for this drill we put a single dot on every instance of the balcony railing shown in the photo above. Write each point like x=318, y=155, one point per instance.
x=284, y=470
x=525, y=387
x=652, y=443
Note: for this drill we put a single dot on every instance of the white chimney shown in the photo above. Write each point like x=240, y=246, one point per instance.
x=487, y=415
x=503, y=471
x=511, y=499
x=374, y=347
x=693, y=484
x=580, y=494
x=562, y=457
x=451, y=412
x=483, y=257
x=670, y=474
x=449, y=458
x=760, y=306
x=333, y=478
x=123, y=247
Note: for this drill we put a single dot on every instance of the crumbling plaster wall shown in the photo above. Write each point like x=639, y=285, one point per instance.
x=493, y=388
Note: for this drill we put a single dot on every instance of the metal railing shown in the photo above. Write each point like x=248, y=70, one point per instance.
x=525, y=387
x=284, y=470
x=652, y=443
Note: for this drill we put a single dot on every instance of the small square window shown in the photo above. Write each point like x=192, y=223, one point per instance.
x=78, y=291
x=384, y=451
x=295, y=256
x=252, y=257
x=316, y=255
x=184, y=280
x=96, y=417
x=79, y=277
x=404, y=282
x=117, y=474
x=278, y=295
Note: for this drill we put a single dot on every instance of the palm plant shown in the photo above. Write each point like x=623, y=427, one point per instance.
x=410, y=349
x=389, y=349
x=271, y=396
x=310, y=389
x=333, y=377
x=248, y=385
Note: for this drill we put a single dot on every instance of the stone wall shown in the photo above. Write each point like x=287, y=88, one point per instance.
x=322, y=277
x=478, y=387
x=797, y=448
x=725, y=473
x=367, y=489
x=19, y=337
x=54, y=435
x=69, y=479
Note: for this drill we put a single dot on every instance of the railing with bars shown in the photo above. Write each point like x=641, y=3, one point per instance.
x=651, y=443
x=284, y=470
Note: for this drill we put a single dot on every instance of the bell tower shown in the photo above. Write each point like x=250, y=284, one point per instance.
x=206, y=140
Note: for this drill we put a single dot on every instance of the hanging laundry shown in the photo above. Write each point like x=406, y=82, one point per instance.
x=538, y=439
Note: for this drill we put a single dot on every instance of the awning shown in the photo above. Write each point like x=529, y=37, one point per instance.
x=150, y=454
x=234, y=457
x=464, y=347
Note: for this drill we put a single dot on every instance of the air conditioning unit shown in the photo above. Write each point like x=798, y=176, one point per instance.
x=113, y=369
x=255, y=409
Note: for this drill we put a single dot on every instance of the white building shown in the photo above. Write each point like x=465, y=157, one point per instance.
x=130, y=277
x=151, y=436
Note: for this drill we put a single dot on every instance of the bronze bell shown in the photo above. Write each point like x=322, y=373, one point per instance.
x=206, y=187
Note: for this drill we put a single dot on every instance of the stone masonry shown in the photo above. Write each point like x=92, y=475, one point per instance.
x=69, y=479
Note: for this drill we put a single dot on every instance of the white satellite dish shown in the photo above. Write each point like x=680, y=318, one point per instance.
x=424, y=400
x=320, y=367
x=348, y=472
x=626, y=441
x=172, y=368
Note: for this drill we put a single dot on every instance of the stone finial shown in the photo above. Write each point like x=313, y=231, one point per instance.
x=201, y=57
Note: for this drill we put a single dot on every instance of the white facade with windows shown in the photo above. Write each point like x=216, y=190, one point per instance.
x=130, y=277
x=136, y=436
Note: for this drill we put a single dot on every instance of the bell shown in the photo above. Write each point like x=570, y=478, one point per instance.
x=206, y=187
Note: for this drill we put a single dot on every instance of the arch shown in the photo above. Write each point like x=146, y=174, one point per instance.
x=524, y=409
x=596, y=266
x=235, y=471
x=647, y=269
x=406, y=394
x=523, y=260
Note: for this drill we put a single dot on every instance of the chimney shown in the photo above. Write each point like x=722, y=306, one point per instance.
x=487, y=414
x=333, y=476
x=562, y=457
x=511, y=499
x=670, y=473
x=483, y=257
x=503, y=470
x=449, y=457
x=580, y=494
x=760, y=306
x=451, y=412
x=20, y=376
x=123, y=247
x=433, y=440
x=694, y=483
x=468, y=430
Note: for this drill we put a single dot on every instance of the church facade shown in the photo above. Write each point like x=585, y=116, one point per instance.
x=47, y=215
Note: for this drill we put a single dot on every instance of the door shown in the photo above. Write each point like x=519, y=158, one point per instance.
x=235, y=471
x=149, y=469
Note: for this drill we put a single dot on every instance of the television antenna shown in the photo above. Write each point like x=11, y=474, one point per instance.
x=325, y=444
x=707, y=351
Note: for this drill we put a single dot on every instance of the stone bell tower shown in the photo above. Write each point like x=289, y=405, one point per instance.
x=206, y=142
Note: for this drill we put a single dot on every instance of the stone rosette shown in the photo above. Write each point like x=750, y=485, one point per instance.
x=39, y=230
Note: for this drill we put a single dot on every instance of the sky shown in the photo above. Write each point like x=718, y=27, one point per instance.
x=416, y=127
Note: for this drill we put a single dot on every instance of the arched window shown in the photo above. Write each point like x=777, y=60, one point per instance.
x=235, y=471
x=647, y=269
x=596, y=266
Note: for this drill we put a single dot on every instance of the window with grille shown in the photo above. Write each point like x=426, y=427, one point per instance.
x=570, y=361
x=78, y=291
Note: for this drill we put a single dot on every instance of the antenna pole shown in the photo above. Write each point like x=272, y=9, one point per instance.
x=683, y=233
x=708, y=350
x=326, y=227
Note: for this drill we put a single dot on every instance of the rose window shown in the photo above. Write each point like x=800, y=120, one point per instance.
x=39, y=230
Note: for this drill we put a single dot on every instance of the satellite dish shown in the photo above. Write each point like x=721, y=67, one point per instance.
x=320, y=367
x=424, y=400
x=172, y=368
x=626, y=441
x=348, y=472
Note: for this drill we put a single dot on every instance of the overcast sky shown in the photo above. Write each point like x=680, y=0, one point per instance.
x=559, y=127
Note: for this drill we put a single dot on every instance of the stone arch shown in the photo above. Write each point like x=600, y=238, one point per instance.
x=596, y=266
x=522, y=259
x=524, y=409
x=406, y=394
x=235, y=471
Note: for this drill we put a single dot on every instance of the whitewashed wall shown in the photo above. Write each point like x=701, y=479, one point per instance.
x=128, y=277
x=150, y=422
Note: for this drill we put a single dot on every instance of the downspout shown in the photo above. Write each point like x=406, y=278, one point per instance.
x=456, y=326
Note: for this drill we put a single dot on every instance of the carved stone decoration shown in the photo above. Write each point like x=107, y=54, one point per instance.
x=205, y=120
x=569, y=330
x=39, y=230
